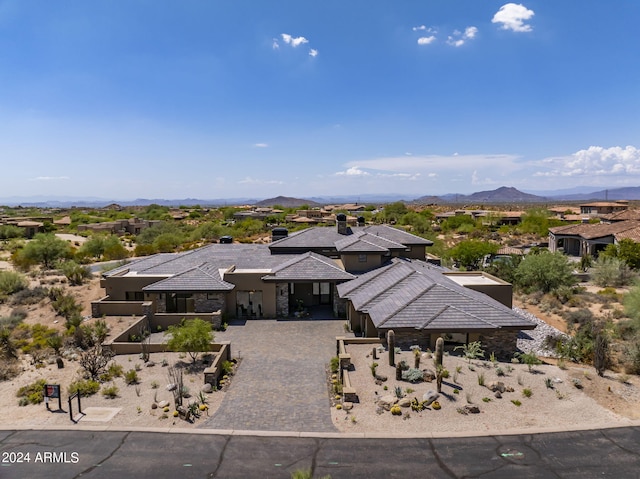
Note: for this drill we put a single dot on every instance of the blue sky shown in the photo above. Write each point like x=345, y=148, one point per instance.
x=236, y=98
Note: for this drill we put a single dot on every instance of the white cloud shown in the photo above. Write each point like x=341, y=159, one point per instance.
x=261, y=145
x=512, y=16
x=313, y=52
x=420, y=28
x=275, y=45
x=50, y=178
x=426, y=40
x=592, y=162
x=254, y=181
x=437, y=163
x=460, y=38
x=293, y=41
x=353, y=171
x=470, y=32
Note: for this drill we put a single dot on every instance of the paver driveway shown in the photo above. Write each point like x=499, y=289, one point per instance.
x=281, y=383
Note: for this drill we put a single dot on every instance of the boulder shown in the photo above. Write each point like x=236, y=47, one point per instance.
x=496, y=386
x=428, y=375
x=381, y=378
x=154, y=406
x=404, y=402
x=498, y=395
x=387, y=401
x=429, y=397
x=163, y=404
x=470, y=409
x=207, y=388
x=347, y=406
x=171, y=387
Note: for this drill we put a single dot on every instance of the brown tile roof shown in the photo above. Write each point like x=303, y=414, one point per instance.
x=592, y=231
x=623, y=215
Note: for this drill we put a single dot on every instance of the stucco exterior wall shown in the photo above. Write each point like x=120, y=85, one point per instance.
x=117, y=286
x=352, y=262
x=252, y=282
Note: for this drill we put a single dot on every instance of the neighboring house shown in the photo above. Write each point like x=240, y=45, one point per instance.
x=600, y=208
x=119, y=227
x=589, y=239
x=322, y=272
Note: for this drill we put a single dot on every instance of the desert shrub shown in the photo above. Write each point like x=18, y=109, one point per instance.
x=609, y=271
x=227, y=367
x=115, y=370
x=131, y=377
x=412, y=375
x=110, y=392
x=29, y=296
x=85, y=387
x=19, y=313
x=74, y=272
x=11, y=282
x=33, y=393
x=631, y=358
x=334, y=364
x=578, y=317
x=66, y=306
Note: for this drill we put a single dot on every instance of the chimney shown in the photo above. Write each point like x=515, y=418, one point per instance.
x=341, y=222
x=279, y=233
x=361, y=221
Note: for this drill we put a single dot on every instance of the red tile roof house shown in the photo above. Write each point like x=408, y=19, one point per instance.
x=375, y=276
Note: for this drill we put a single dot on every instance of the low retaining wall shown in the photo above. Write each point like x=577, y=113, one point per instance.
x=104, y=307
x=349, y=393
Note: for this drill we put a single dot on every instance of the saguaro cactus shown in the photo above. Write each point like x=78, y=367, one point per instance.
x=439, y=352
x=391, y=344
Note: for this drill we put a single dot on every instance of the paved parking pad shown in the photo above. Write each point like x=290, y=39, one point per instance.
x=281, y=383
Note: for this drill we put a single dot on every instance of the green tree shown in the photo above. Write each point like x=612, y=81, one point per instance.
x=395, y=211
x=505, y=267
x=544, y=272
x=469, y=253
x=537, y=221
x=192, y=336
x=626, y=250
x=9, y=231
x=45, y=249
x=455, y=223
x=632, y=303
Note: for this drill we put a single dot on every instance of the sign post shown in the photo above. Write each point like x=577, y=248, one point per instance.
x=52, y=391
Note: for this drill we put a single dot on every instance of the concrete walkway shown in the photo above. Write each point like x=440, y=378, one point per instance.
x=281, y=383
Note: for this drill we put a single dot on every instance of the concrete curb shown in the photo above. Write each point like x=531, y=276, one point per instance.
x=322, y=435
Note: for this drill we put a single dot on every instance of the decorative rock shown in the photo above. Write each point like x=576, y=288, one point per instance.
x=471, y=409
x=387, y=401
x=428, y=375
x=498, y=395
x=60, y=362
x=509, y=389
x=496, y=386
x=171, y=387
x=207, y=388
x=150, y=364
x=429, y=397
x=381, y=378
x=347, y=406
x=404, y=402
x=163, y=404
x=154, y=406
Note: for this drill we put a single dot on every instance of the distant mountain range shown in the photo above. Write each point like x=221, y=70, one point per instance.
x=503, y=194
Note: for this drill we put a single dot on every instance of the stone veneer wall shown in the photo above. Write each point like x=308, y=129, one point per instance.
x=409, y=337
x=503, y=343
x=282, y=300
x=339, y=304
x=202, y=304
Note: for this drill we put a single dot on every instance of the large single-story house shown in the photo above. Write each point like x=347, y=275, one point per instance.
x=589, y=239
x=376, y=276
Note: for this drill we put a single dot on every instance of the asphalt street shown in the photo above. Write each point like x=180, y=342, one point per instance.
x=70, y=454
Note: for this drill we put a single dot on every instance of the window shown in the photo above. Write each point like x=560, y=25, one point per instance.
x=212, y=295
x=134, y=296
x=362, y=258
